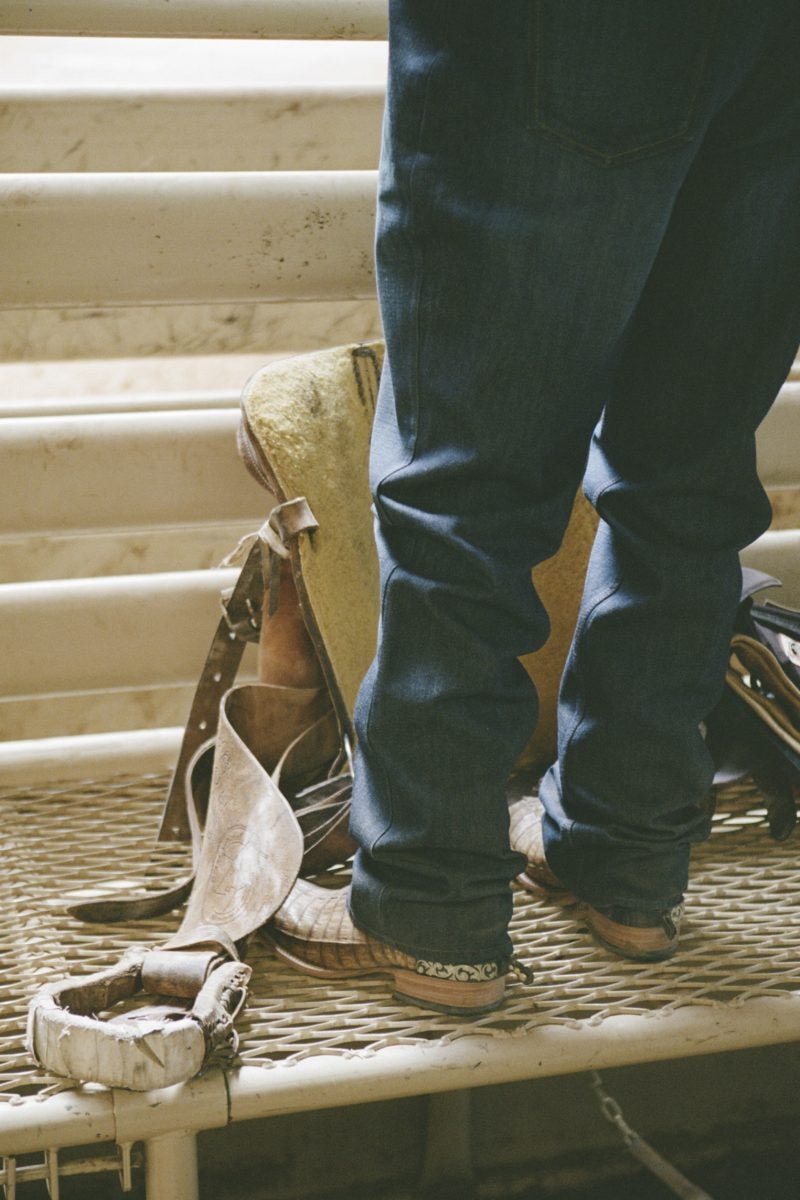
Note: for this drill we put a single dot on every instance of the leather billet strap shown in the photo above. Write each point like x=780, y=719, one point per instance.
x=756, y=676
x=240, y=623
x=249, y=859
x=247, y=852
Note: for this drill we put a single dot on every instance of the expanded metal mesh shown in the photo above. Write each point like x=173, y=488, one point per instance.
x=741, y=937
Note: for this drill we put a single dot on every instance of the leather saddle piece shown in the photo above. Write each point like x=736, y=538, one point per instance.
x=755, y=728
x=262, y=783
x=247, y=863
x=305, y=431
x=304, y=434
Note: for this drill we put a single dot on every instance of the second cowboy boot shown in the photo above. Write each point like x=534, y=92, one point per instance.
x=641, y=936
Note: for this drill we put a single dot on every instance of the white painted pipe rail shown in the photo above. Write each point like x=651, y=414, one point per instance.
x=131, y=631
x=779, y=440
x=350, y=19
x=250, y=126
x=125, y=471
x=173, y=238
x=39, y=334
x=115, y=402
x=138, y=470
x=326, y=1081
x=91, y=755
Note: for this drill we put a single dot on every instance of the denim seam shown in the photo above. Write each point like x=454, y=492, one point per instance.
x=420, y=277
x=384, y=515
x=579, y=718
x=368, y=721
x=604, y=158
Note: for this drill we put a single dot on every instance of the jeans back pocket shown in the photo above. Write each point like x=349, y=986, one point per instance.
x=619, y=79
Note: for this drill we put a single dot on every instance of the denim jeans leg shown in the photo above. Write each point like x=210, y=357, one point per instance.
x=673, y=475
x=514, y=248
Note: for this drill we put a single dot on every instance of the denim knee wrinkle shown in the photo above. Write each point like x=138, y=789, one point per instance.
x=588, y=253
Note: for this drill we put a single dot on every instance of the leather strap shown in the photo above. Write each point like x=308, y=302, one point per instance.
x=250, y=856
x=756, y=676
x=239, y=624
x=247, y=853
x=188, y=789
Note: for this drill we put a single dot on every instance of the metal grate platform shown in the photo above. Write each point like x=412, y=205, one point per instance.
x=741, y=940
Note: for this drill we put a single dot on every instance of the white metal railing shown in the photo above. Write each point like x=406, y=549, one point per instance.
x=326, y=1081
x=79, y=634
x=778, y=440
x=108, y=653
x=117, y=402
x=250, y=126
x=146, y=330
x=177, y=238
x=122, y=471
x=152, y=492
x=349, y=19
x=105, y=519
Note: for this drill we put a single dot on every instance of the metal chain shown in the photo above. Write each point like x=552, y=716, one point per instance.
x=641, y=1150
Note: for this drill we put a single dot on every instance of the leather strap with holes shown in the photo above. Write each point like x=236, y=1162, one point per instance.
x=239, y=624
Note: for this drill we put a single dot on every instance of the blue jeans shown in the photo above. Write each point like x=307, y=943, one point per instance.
x=588, y=261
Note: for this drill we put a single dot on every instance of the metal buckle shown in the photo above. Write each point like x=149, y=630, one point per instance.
x=246, y=628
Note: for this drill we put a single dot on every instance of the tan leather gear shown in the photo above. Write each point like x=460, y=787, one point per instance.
x=262, y=781
x=305, y=431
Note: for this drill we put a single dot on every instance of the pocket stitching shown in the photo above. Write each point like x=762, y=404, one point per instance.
x=604, y=157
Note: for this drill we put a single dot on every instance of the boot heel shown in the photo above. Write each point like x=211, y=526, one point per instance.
x=449, y=995
x=555, y=895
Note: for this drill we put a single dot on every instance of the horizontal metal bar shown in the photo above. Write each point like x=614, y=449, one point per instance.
x=90, y=756
x=779, y=440
x=178, y=238
x=75, y=1166
x=139, y=470
x=198, y=18
x=77, y=1118
x=131, y=631
x=98, y=711
x=329, y=1081
x=116, y=402
x=31, y=557
x=44, y=64
x=178, y=128
x=475, y=1061
x=124, y=470
x=38, y=335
